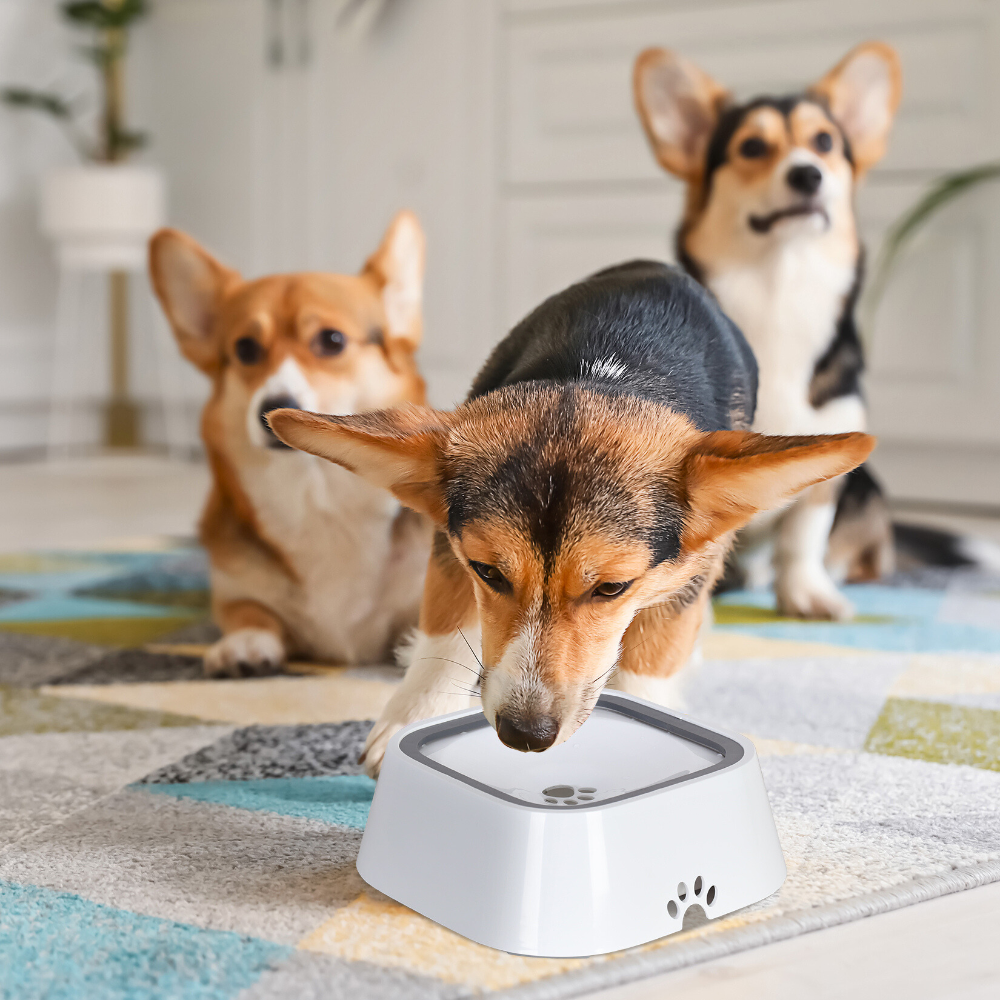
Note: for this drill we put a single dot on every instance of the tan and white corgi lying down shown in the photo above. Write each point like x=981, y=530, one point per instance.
x=770, y=227
x=306, y=558
x=584, y=497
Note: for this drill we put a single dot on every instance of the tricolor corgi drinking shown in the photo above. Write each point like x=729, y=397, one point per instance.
x=769, y=228
x=306, y=559
x=584, y=499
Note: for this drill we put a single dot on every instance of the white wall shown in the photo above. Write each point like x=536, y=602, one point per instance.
x=32, y=50
x=406, y=118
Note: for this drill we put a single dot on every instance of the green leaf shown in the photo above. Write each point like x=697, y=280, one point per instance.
x=36, y=100
x=125, y=141
x=104, y=16
x=102, y=55
x=88, y=12
x=943, y=191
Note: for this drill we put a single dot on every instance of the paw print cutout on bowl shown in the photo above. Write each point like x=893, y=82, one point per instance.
x=568, y=795
x=682, y=894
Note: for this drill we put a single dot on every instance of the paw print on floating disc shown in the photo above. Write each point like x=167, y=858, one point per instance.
x=568, y=795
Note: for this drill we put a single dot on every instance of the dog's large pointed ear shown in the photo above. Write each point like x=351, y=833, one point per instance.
x=399, y=450
x=679, y=105
x=732, y=475
x=398, y=269
x=863, y=92
x=190, y=284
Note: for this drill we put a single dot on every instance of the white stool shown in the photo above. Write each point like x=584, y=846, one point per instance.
x=101, y=217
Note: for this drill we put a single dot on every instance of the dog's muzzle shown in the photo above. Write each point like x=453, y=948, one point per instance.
x=276, y=403
x=765, y=223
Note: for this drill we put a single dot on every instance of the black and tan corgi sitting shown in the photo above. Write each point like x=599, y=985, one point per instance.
x=306, y=559
x=769, y=227
x=585, y=496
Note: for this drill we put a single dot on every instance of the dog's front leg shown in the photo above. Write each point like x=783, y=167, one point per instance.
x=443, y=671
x=803, y=586
x=253, y=642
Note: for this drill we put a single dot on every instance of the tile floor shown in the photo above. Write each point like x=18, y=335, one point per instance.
x=98, y=502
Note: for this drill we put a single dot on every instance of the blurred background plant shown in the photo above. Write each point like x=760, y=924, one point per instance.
x=107, y=24
x=904, y=230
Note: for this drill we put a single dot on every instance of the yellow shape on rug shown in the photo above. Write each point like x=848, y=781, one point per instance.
x=388, y=934
x=787, y=748
x=129, y=631
x=944, y=675
x=269, y=701
x=727, y=645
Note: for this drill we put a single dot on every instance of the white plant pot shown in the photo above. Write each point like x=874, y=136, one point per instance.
x=102, y=215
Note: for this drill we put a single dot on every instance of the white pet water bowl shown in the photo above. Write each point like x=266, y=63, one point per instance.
x=601, y=843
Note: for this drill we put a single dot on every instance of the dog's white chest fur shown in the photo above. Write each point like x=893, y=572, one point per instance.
x=787, y=303
x=336, y=531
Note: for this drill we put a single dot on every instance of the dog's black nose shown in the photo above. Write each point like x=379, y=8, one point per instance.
x=276, y=403
x=805, y=178
x=527, y=735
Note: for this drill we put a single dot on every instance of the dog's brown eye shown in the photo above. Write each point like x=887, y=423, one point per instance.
x=753, y=148
x=328, y=342
x=611, y=589
x=823, y=142
x=490, y=575
x=248, y=350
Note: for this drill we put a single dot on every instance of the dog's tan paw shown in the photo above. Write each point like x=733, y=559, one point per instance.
x=398, y=713
x=809, y=594
x=375, y=745
x=247, y=652
x=437, y=681
x=401, y=710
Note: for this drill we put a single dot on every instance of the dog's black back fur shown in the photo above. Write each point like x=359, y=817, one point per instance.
x=641, y=329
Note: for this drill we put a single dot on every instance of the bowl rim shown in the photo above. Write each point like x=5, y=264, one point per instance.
x=731, y=751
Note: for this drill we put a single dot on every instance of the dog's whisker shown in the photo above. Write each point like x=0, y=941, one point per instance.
x=598, y=682
x=471, y=650
x=458, y=663
x=635, y=645
x=459, y=686
x=613, y=667
x=465, y=694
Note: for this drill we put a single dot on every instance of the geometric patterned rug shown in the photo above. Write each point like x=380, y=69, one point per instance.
x=162, y=835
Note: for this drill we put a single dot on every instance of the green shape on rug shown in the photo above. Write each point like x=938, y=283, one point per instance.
x=25, y=710
x=105, y=631
x=937, y=732
x=197, y=599
x=751, y=614
x=47, y=562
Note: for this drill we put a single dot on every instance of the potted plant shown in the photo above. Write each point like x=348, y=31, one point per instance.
x=940, y=193
x=102, y=211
